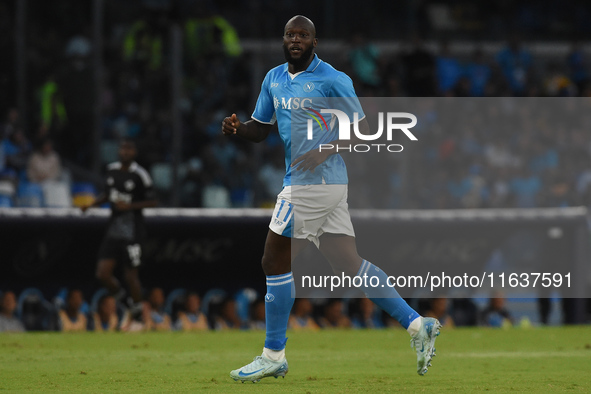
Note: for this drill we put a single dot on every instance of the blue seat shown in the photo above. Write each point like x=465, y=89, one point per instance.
x=96, y=297
x=241, y=197
x=59, y=301
x=83, y=188
x=212, y=296
x=5, y=201
x=35, y=311
x=30, y=195
x=244, y=299
x=175, y=296
x=28, y=293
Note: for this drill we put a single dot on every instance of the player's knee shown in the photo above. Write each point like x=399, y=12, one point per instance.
x=349, y=265
x=267, y=264
x=274, y=265
x=131, y=275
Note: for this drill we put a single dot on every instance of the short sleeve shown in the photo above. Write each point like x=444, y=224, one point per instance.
x=264, y=111
x=343, y=87
x=146, y=190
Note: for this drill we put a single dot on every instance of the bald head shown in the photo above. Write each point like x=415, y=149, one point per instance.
x=299, y=41
x=301, y=22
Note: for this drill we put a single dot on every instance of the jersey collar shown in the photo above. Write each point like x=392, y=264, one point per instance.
x=311, y=68
x=118, y=165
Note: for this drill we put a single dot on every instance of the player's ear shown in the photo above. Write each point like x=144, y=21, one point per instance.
x=315, y=42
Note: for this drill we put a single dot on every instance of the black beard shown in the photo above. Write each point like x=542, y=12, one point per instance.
x=298, y=64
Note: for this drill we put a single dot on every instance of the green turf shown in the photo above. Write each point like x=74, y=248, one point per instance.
x=537, y=359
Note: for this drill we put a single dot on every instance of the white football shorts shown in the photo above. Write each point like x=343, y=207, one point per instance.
x=308, y=211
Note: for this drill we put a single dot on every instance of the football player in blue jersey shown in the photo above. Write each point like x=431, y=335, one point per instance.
x=320, y=204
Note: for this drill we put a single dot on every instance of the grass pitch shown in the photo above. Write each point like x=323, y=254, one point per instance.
x=468, y=360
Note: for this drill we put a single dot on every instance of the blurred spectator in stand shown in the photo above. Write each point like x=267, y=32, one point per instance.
x=44, y=164
x=333, y=315
x=526, y=187
x=105, y=318
x=500, y=192
x=207, y=33
x=72, y=319
x=11, y=124
x=438, y=309
x=143, y=45
x=578, y=66
x=301, y=316
x=257, y=315
x=496, y=314
x=131, y=322
x=364, y=314
x=159, y=319
x=543, y=156
x=17, y=149
x=419, y=71
x=559, y=191
x=8, y=322
x=191, y=319
x=364, y=59
x=478, y=73
x=465, y=312
x=228, y=316
x=44, y=167
x=53, y=112
x=459, y=186
x=449, y=70
x=515, y=63
x=557, y=82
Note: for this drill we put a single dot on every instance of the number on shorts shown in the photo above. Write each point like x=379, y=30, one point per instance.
x=135, y=254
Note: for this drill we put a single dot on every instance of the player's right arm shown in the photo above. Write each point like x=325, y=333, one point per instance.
x=250, y=130
x=100, y=200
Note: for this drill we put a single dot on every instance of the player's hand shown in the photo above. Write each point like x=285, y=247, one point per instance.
x=230, y=125
x=310, y=160
x=122, y=206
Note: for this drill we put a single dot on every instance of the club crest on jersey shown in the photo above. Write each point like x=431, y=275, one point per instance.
x=308, y=87
x=110, y=181
x=129, y=185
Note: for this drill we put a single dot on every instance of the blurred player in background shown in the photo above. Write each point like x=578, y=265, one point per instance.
x=321, y=207
x=128, y=190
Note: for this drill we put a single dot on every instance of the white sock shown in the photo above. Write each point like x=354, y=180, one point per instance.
x=415, y=326
x=274, y=355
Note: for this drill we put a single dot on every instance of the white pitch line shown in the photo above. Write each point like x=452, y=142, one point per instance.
x=557, y=353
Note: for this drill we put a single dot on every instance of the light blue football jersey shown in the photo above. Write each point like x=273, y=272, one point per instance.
x=296, y=105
